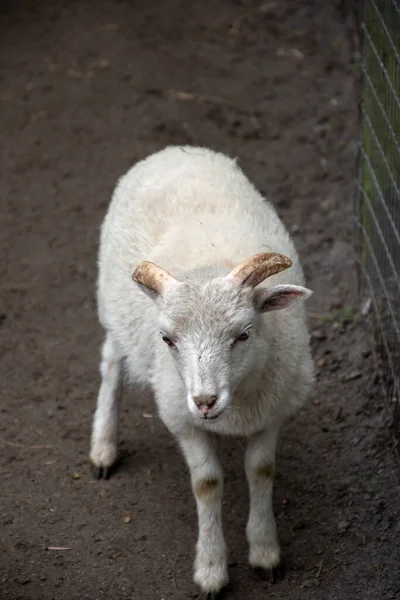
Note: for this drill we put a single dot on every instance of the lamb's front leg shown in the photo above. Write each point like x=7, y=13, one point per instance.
x=261, y=527
x=210, y=568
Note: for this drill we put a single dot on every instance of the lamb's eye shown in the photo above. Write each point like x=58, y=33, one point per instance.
x=243, y=337
x=168, y=341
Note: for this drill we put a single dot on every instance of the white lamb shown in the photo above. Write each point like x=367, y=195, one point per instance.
x=221, y=355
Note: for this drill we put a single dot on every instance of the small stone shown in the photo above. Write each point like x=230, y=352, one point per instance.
x=343, y=526
x=319, y=335
x=366, y=307
x=76, y=476
x=103, y=63
x=321, y=363
x=267, y=7
x=290, y=53
x=127, y=519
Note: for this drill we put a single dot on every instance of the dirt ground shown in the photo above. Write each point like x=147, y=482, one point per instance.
x=86, y=90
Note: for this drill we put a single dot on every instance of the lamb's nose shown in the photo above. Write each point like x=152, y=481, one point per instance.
x=205, y=403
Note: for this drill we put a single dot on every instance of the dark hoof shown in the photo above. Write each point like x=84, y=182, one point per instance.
x=101, y=472
x=273, y=575
x=106, y=472
x=212, y=596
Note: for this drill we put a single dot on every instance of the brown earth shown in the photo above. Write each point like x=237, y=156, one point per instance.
x=86, y=90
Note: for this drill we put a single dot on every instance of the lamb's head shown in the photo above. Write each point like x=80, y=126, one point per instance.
x=211, y=327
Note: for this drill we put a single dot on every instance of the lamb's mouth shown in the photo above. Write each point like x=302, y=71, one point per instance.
x=211, y=417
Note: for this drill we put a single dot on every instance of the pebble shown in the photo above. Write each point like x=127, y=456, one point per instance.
x=319, y=335
x=343, y=526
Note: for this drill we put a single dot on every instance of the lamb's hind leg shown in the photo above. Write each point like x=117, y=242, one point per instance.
x=103, y=452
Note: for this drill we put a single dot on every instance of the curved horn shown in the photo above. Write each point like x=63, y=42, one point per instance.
x=254, y=270
x=151, y=276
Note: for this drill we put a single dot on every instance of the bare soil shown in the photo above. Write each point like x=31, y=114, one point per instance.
x=87, y=89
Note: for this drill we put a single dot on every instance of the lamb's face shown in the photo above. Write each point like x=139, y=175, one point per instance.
x=210, y=331
x=211, y=328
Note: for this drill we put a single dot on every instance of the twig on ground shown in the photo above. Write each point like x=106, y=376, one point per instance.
x=320, y=568
x=32, y=446
x=396, y=451
x=194, y=97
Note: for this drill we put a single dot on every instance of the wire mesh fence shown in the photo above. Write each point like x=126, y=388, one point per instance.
x=378, y=204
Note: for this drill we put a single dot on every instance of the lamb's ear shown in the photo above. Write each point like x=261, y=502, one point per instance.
x=152, y=279
x=280, y=296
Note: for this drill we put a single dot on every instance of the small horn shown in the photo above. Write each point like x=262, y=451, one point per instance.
x=151, y=276
x=254, y=270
